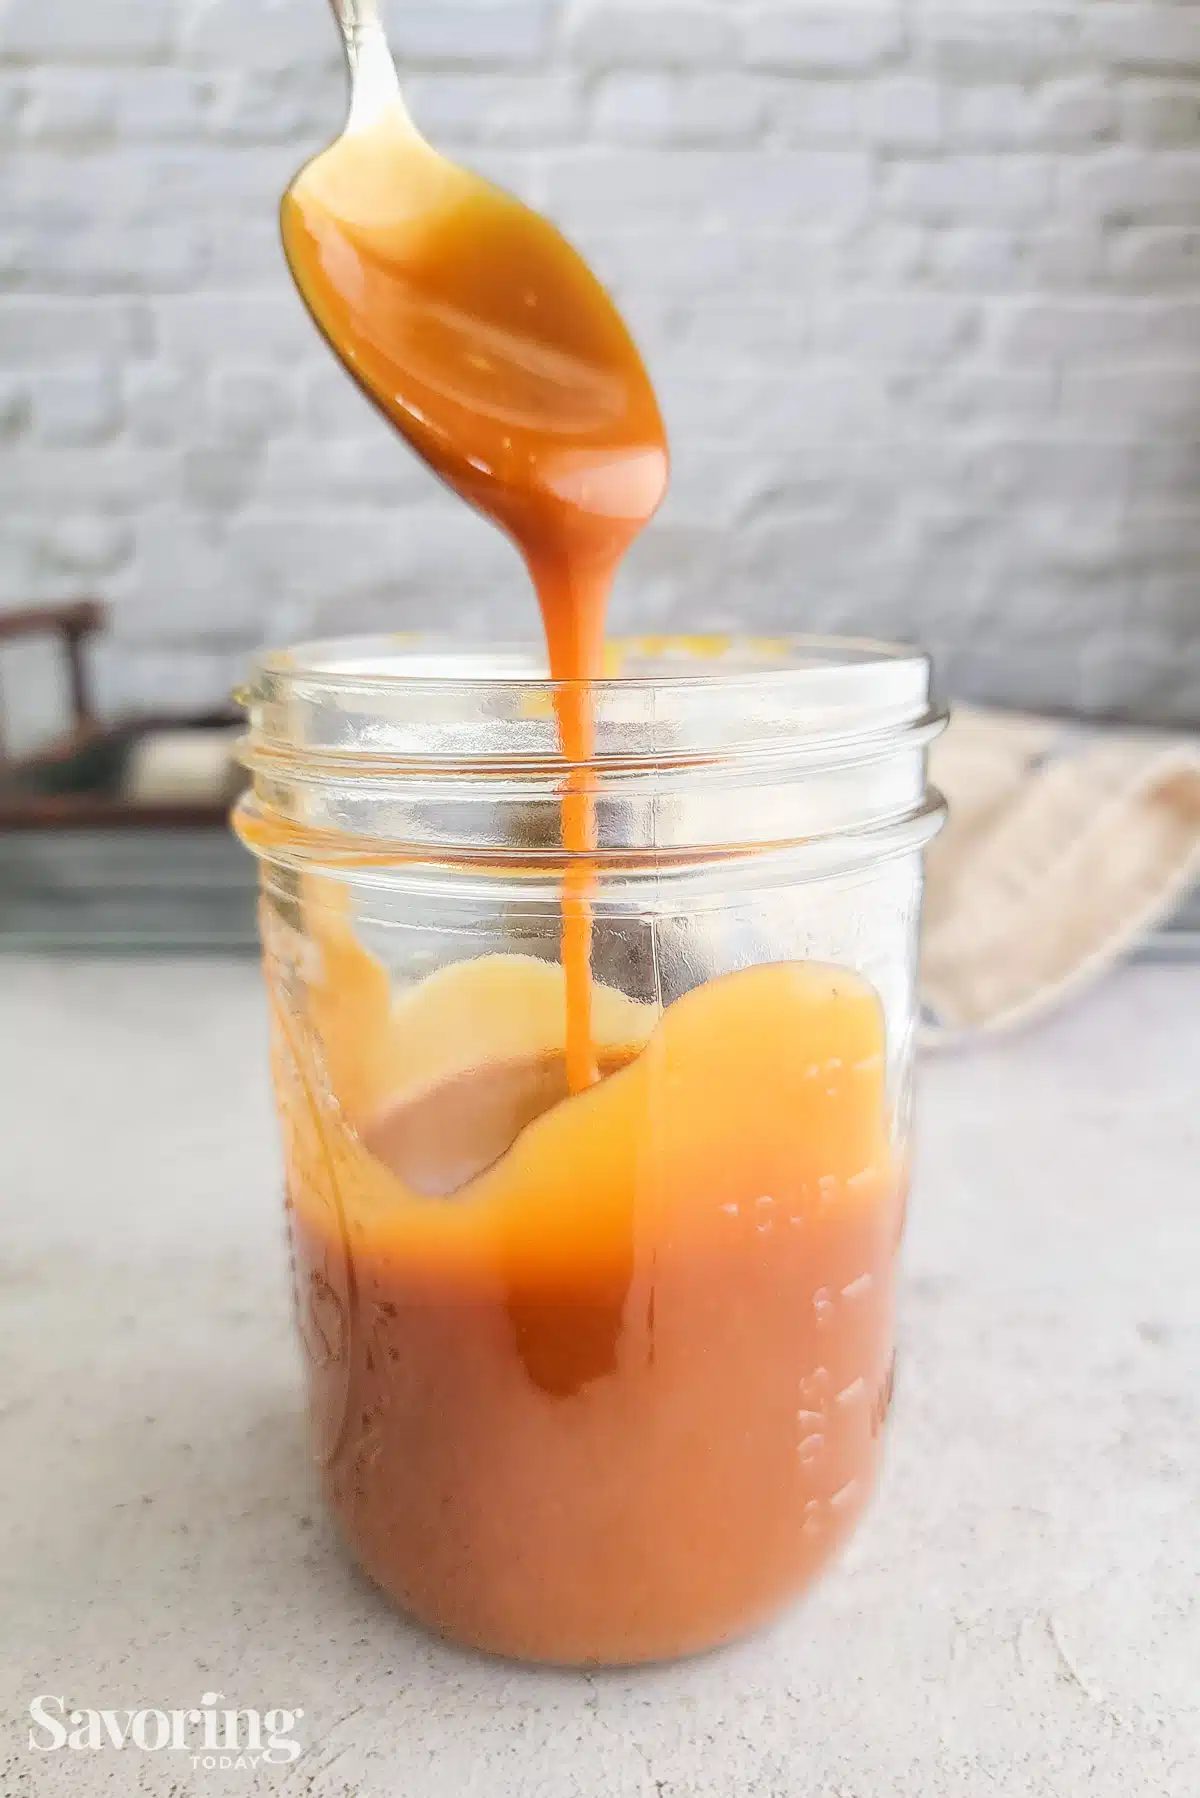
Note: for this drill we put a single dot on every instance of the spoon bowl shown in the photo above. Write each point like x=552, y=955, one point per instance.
x=475, y=327
x=438, y=1141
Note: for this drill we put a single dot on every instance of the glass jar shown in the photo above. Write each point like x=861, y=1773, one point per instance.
x=596, y=1378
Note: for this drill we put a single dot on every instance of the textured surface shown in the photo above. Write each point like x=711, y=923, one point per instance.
x=1019, y=1615
x=920, y=283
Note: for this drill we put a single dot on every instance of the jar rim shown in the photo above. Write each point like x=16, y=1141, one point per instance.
x=773, y=741
x=403, y=703
x=442, y=662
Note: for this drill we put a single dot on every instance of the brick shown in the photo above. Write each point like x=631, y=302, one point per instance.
x=101, y=31
x=1126, y=184
x=248, y=404
x=54, y=331
x=981, y=43
x=273, y=327
x=1076, y=111
x=738, y=333
x=519, y=171
x=616, y=34
x=100, y=105
x=19, y=574
x=62, y=105
x=154, y=258
x=129, y=676
x=778, y=411
x=982, y=671
x=821, y=112
x=479, y=33
x=970, y=187
x=881, y=250
x=87, y=543
x=1131, y=400
x=905, y=328
x=842, y=39
x=233, y=34
x=1160, y=112
x=1073, y=110
x=904, y=112
x=989, y=113
x=977, y=259
x=161, y=105
x=974, y=393
x=832, y=546
x=315, y=553
x=1007, y=470
x=1162, y=536
x=818, y=477
x=376, y=607
x=1143, y=37
x=704, y=490
x=160, y=403
x=14, y=90
x=1066, y=259
x=332, y=406
x=121, y=185
x=218, y=476
x=246, y=254
x=710, y=260
x=755, y=189
x=15, y=408
x=294, y=105
x=1166, y=470
x=645, y=106
x=184, y=579
x=59, y=480
x=635, y=107
x=505, y=108
x=74, y=406
x=1155, y=256
x=371, y=469
x=1129, y=676
x=1150, y=330
x=12, y=260
x=1170, y=602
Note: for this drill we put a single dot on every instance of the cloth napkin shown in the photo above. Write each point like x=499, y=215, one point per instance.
x=1065, y=847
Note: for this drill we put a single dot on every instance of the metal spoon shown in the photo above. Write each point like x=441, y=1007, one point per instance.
x=441, y=1140
x=476, y=328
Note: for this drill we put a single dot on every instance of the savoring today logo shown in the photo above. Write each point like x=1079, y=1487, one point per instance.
x=211, y=1738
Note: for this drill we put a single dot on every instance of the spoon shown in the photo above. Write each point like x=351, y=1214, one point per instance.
x=441, y=1079
x=485, y=338
x=441, y=1140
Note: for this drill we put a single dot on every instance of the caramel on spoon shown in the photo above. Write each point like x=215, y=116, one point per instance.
x=485, y=338
x=488, y=342
x=438, y=1141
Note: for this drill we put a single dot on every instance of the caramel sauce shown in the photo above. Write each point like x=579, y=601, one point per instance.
x=486, y=340
x=622, y=1394
x=597, y=1298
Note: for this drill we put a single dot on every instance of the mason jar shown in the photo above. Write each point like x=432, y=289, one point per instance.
x=598, y=1370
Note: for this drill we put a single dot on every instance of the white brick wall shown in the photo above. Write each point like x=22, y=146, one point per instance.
x=920, y=284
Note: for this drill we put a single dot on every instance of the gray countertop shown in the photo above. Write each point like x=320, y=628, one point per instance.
x=1018, y=1617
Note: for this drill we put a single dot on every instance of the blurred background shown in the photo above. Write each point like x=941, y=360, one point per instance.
x=919, y=283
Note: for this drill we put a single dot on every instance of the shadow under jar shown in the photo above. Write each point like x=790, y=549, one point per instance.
x=602, y=1378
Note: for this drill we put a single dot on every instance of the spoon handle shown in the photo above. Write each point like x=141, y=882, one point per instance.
x=374, y=83
x=355, y=17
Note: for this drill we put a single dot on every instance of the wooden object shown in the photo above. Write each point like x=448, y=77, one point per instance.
x=75, y=782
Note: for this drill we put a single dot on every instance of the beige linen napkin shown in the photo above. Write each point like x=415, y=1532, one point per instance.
x=1064, y=848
